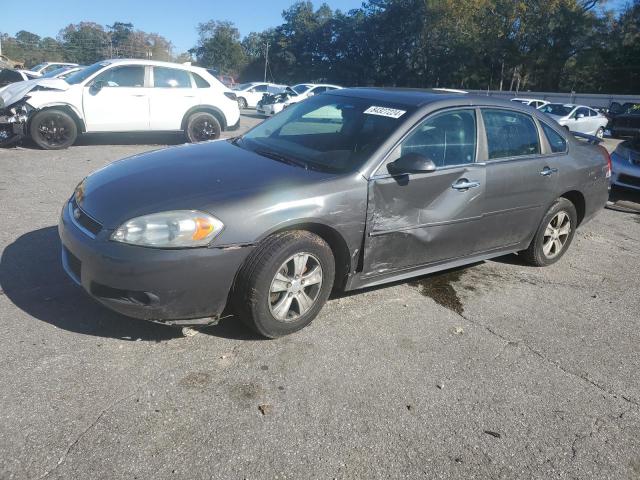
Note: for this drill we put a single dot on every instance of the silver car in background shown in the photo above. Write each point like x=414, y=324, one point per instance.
x=577, y=118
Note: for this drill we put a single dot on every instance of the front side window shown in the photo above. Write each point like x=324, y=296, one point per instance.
x=326, y=132
x=581, y=111
x=510, y=134
x=447, y=139
x=557, y=141
x=126, y=76
x=171, y=78
x=556, y=109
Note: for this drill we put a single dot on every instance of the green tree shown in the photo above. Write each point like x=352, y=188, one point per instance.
x=219, y=47
x=85, y=42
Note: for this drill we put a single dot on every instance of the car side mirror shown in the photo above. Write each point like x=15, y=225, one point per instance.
x=97, y=86
x=411, y=163
x=579, y=116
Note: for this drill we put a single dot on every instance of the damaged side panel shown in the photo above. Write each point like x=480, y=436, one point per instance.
x=418, y=219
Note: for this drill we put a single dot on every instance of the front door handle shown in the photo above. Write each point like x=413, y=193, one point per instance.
x=546, y=171
x=464, y=184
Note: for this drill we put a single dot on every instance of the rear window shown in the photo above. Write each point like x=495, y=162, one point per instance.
x=170, y=78
x=557, y=141
x=510, y=134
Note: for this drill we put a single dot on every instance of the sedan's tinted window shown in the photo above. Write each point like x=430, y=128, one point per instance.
x=510, y=134
x=581, y=111
x=171, y=78
x=260, y=88
x=319, y=90
x=557, y=142
x=446, y=139
x=129, y=76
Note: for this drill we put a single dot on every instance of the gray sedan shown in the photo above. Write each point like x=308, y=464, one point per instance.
x=350, y=189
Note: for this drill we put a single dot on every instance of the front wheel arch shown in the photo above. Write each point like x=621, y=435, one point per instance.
x=68, y=109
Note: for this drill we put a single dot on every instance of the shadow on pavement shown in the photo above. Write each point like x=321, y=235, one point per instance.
x=32, y=278
x=142, y=138
x=624, y=199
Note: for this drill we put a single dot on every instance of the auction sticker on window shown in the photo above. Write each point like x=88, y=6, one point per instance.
x=385, y=112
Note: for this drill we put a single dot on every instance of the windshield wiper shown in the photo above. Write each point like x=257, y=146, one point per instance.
x=282, y=158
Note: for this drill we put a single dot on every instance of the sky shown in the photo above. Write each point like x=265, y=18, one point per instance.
x=175, y=20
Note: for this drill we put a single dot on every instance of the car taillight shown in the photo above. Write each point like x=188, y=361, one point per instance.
x=231, y=95
x=605, y=152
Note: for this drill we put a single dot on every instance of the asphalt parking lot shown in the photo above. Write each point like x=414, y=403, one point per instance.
x=497, y=370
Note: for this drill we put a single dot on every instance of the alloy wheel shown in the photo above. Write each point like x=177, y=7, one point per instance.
x=295, y=287
x=556, y=234
x=54, y=130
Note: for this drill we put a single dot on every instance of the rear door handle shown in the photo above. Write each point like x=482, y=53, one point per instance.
x=464, y=184
x=546, y=171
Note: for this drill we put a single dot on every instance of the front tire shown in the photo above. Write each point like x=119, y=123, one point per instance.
x=202, y=126
x=242, y=103
x=554, y=235
x=600, y=133
x=53, y=129
x=284, y=283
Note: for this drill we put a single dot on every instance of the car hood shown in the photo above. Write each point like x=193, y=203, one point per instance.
x=205, y=176
x=16, y=91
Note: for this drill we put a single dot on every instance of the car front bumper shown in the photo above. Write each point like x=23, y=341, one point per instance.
x=625, y=173
x=168, y=286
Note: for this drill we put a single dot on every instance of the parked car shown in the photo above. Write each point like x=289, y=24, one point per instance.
x=119, y=96
x=625, y=122
x=272, y=104
x=9, y=76
x=46, y=67
x=626, y=164
x=249, y=94
x=532, y=102
x=346, y=190
x=577, y=118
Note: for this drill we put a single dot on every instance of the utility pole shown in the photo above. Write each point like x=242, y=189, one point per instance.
x=0, y=44
x=266, y=59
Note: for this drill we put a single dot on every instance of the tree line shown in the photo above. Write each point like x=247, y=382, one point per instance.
x=546, y=45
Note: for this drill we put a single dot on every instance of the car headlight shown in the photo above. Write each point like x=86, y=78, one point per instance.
x=175, y=229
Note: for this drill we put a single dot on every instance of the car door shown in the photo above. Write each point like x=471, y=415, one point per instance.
x=521, y=179
x=117, y=100
x=172, y=95
x=417, y=219
x=580, y=121
x=254, y=95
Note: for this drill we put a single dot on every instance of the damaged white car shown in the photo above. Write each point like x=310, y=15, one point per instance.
x=272, y=104
x=117, y=96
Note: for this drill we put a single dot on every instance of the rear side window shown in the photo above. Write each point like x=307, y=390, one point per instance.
x=510, y=134
x=557, y=142
x=170, y=78
x=200, y=82
x=260, y=89
x=447, y=139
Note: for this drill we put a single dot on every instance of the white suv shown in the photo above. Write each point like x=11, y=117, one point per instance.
x=121, y=96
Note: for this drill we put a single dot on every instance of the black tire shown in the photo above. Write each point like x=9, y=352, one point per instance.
x=242, y=103
x=253, y=299
x=535, y=254
x=53, y=129
x=202, y=126
x=600, y=133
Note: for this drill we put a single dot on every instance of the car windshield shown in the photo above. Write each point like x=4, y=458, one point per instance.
x=326, y=132
x=82, y=75
x=556, y=109
x=301, y=88
x=243, y=86
x=56, y=72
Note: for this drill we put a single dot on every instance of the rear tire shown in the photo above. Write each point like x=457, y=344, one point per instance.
x=284, y=283
x=53, y=129
x=201, y=127
x=554, y=235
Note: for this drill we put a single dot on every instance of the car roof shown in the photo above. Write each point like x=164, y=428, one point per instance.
x=157, y=63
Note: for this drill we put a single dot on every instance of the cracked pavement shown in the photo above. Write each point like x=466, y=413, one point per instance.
x=497, y=370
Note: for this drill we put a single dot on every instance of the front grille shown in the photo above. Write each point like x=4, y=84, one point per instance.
x=83, y=220
x=629, y=180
